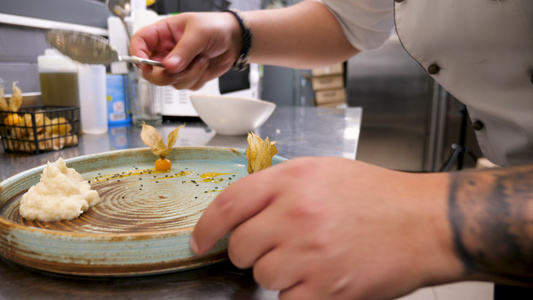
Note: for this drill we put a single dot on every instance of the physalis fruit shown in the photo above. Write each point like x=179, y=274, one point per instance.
x=259, y=153
x=151, y=137
x=12, y=105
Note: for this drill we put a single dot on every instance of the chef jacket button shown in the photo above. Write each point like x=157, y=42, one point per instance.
x=478, y=125
x=433, y=69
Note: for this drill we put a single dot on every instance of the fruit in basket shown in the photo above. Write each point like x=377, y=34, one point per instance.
x=71, y=140
x=12, y=145
x=46, y=125
x=43, y=139
x=60, y=126
x=14, y=102
x=34, y=131
x=3, y=102
x=42, y=123
x=13, y=105
x=13, y=119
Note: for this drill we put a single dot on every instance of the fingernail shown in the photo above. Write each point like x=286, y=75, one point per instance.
x=194, y=246
x=173, y=62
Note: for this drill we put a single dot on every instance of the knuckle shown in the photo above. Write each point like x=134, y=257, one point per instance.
x=181, y=85
x=300, y=168
x=263, y=275
x=234, y=253
x=224, y=204
x=196, y=86
x=305, y=211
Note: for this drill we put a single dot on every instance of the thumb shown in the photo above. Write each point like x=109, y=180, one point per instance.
x=186, y=50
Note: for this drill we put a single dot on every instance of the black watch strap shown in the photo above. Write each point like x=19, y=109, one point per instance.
x=242, y=61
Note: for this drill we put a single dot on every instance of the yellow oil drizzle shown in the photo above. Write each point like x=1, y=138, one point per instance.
x=179, y=174
x=138, y=173
x=210, y=177
x=213, y=174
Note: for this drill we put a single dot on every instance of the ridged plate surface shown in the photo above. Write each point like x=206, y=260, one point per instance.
x=142, y=224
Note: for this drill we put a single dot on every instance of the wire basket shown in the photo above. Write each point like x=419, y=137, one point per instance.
x=36, y=129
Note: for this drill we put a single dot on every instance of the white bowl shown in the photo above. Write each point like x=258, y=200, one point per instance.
x=232, y=115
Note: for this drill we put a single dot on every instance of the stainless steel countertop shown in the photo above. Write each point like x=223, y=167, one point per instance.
x=299, y=131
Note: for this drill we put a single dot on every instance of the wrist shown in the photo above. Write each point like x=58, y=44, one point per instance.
x=441, y=262
x=244, y=40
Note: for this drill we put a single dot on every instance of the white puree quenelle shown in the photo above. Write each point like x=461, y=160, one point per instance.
x=61, y=194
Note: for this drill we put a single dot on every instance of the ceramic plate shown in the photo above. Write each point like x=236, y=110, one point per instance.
x=142, y=224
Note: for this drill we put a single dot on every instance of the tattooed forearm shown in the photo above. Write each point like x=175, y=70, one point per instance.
x=491, y=214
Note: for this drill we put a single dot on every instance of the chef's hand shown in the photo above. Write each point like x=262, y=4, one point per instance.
x=194, y=48
x=317, y=228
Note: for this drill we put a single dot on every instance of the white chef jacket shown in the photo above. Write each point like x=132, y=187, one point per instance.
x=481, y=51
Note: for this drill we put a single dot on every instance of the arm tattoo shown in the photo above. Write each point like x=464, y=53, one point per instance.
x=491, y=214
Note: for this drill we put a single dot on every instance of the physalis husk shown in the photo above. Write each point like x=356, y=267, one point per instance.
x=259, y=153
x=15, y=102
x=13, y=105
x=151, y=137
x=3, y=102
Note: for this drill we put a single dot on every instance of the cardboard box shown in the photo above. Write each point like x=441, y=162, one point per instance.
x=336, y=69
x=333, y=105
x=330, y=96
x=327, y=82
